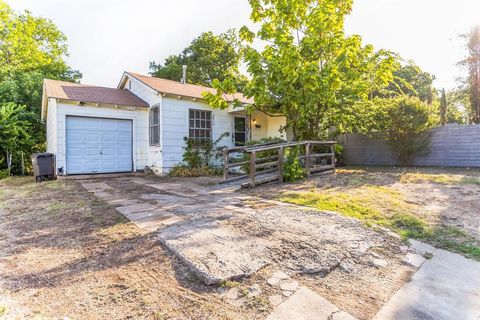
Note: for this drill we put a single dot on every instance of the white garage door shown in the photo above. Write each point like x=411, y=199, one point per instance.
x=98, y=145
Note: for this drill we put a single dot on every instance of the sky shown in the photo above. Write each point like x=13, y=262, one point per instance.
x=107, y=37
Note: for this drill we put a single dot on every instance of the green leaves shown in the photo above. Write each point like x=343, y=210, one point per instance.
x=31, y=49
x=404, y=121
x=208, y=57
x=309, y=70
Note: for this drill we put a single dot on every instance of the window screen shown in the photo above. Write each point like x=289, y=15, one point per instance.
x=200, y=124
x=154, y=121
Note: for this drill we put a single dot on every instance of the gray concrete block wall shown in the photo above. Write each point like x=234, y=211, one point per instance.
x=451, y=146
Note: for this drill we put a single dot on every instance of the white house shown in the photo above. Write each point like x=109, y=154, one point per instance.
x=140, y=123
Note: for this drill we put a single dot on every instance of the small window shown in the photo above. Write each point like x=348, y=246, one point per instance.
x=200, y=124
x=154, y=123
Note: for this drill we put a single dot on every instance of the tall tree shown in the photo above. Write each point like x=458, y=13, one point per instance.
x=31, y=49
x=207, y=57
x=458, y=110
x=443, y=108
x=309, y=70
x=472, y=64
x=14, y=130
x=412, y=81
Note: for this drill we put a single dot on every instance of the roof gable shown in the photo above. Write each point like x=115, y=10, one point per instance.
x=165, y=86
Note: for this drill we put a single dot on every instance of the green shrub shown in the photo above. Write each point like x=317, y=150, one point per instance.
x=198, y=157
x=292, y=169
x=4, y=174
x=339, y=154
x=200, y=153
x=184, y=171
x=405, y=123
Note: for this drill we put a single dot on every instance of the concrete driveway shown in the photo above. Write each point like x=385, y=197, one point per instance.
x=222, y=234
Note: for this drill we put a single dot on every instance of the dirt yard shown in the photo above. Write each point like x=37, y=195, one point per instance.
x=437, y=205
x=64, y=253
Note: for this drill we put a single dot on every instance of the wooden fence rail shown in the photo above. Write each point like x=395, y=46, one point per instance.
x=260, y=164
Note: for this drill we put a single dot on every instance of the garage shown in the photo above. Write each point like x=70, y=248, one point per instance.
x=98, y=145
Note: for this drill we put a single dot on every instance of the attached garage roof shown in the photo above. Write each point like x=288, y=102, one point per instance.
x=183, y=89
x=86, y=93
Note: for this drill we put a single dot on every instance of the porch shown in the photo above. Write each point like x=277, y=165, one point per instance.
x=256, y=127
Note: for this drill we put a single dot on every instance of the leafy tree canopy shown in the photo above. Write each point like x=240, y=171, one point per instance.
x=309, y=70
x=31, y=49
x=412, y=81
x=207, y=57
x=403, y=123
x=15, y=133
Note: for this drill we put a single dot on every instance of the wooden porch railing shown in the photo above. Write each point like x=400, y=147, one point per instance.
x=260, y=164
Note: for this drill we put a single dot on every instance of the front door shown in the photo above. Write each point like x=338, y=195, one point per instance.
x=240, y=131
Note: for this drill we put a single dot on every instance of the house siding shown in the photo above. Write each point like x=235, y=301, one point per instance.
x=52, y=126
x=175, y=115
x=64, y=109
x=155, y=154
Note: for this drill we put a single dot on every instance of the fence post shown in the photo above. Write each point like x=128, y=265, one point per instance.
x=253, y=159
x=307, y=159
x=332, y=150
x=226, y=160
x=280, y=164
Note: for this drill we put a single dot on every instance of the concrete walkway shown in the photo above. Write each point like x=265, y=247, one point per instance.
x=446, y=287
x=308, y=305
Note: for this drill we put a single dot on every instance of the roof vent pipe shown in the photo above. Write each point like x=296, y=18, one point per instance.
x=184, y=74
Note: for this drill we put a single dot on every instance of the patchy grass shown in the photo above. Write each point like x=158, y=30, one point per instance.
x=448, y=179
x=380, y=206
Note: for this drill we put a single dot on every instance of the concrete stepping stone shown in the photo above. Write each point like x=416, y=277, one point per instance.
x=126, y=210
x=276, y=277
x=136, y=216
x=413, y=260
x=304, y=305
x=213, y=251
x=420, y=247
x=155, y=223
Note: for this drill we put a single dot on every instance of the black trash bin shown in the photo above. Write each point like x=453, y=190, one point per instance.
x=43, y=166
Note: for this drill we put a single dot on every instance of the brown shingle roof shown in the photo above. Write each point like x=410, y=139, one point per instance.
x=86, y=93
x=183, y=89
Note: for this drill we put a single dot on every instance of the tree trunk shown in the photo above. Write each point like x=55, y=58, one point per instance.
x=23, y=164
x=9, y=163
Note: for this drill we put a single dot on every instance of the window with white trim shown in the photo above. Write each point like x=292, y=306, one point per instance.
x=200, y=124
x=154, y=125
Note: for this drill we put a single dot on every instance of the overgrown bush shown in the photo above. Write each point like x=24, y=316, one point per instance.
x=184, y=171
x=199, y=157
x=339, y=155
x=4, y=174
x=200, y=153
x=405, y=123
x=292, y=169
